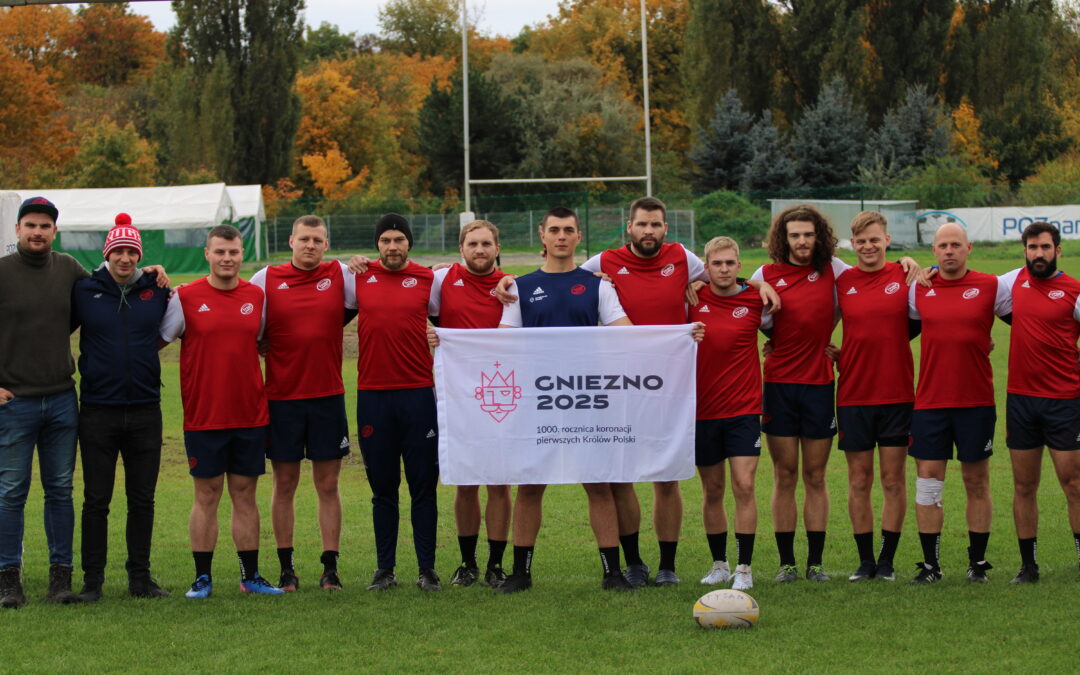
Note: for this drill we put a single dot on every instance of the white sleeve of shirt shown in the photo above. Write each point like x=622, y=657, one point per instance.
x=695, y=269
x=1003, y=301
x=435, y=299
x=172, y=324
x=766, y=321
x=838, y=267
x=349, y=279
x=759, y=274
x=912, y=311
x=611, y=309
x=1076, y=310
x=592, y=264
x=262, y=319
x=512, y=313
x=259, y=279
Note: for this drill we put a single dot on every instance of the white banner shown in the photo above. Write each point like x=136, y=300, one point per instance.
x=1002, y=223
x=566, y=405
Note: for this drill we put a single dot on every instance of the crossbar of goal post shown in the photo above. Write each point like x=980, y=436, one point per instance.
x=468, y=215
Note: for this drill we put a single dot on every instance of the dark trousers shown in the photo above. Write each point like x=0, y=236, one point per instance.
x=399, y=426
x=105, y=433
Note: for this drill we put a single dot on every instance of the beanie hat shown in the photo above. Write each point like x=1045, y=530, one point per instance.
x=393, y=221
x=123, y=235
x=38, y=205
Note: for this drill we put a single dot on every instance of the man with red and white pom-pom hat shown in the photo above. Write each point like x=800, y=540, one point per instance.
x=120, y=309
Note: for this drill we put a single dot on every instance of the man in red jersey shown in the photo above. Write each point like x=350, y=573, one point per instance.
x=306, y=302
x=651, y=277
x=728, y=407
x=220, y=318
x=874, y=410
x=395, y=403
x=957, y=313
x=1043, y=401
x=798, y=392
x=463, y=296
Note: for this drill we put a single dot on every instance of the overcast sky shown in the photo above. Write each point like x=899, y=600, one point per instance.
x=502, y=17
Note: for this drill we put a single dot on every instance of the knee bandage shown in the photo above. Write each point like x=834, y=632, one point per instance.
x=928, y=491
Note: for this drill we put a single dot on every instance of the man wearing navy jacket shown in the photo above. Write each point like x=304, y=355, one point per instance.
x=120, y=310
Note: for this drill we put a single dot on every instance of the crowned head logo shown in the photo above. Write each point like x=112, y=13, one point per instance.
x=497, y=393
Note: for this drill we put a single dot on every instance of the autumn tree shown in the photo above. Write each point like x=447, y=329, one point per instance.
x=112, y=156
x=38, y=35
x=31, y=133
x=423, y=27
x=110, y=45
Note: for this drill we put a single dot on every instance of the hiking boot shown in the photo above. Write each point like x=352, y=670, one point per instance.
x=91, y=591
x=429, y=580
x=11, y=590
x=514, y=583
x=465, y=576
x=383, y=580
x=59, y=589
x=928, y=574
x=145, y=587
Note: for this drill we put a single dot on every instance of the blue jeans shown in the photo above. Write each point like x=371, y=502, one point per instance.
x=52, y=424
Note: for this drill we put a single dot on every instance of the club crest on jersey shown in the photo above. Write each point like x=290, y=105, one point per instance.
x=1056, y=294
x=813, y=276
x=408, y=282
x=323, y=284
x=892, y=288
x=740, y=312
x=497, y=393
x=577, y=289
x=146, y=295
x=971, y=293
x=492, y=292
x=247, y=308
x=668, y=270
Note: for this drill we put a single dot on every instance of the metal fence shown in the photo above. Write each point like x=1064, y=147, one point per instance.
x=438, y=232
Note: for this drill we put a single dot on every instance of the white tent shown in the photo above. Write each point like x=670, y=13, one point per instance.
x=249, y=213
x=9, y=215
x=173, y=220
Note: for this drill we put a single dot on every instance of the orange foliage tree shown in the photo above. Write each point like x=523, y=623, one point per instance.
x=110, y=45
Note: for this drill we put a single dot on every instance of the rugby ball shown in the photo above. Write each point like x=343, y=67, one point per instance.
x=726, y=608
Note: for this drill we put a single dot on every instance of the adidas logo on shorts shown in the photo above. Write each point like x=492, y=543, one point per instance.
x=344, y=442
x=283, y=286
x=459, y=282
x=989, y=445
x=204, y=308
x=430, y=433
x=832, y=424
x=757, y=443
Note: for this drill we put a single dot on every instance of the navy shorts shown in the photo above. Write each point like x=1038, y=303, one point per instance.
x=317, y=425
x=240, y=451
x=862, y=427
x=804, y=410
x=935, y=432
x=1033, y=421
x=717, y=440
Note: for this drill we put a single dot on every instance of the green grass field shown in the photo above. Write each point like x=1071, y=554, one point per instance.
x=565, y=623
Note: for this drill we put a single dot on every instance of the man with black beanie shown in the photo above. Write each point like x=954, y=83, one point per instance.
x=395, y=404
